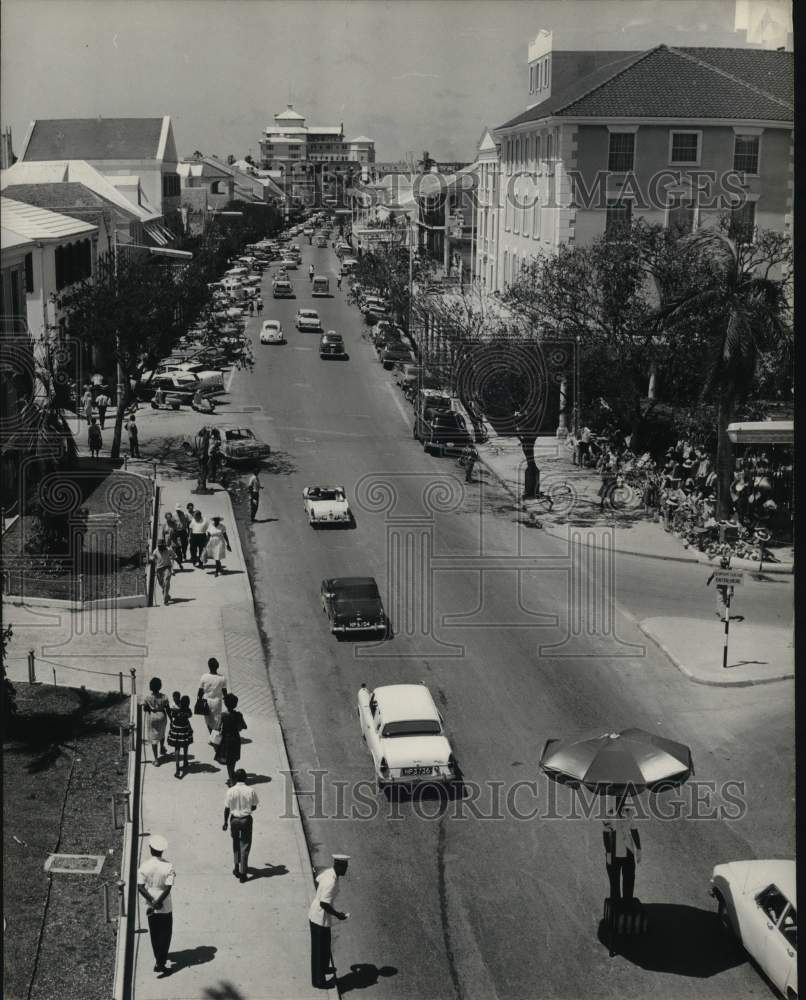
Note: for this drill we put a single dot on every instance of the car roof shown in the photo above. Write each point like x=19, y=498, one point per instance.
x=321, y=486
x=405, y=702
x=351, y=581
x=308, y=312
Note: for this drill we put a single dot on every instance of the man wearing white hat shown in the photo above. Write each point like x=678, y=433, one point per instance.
x=155, y=879
x=321, y=915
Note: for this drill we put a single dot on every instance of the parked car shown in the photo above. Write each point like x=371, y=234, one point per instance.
x=321, y=241
x=180, y=384
x=348, y=265
x=308, y=319
x=331, y=345
x=396, y=354
x=442, y=432
x=282, y=289
x=289, y=263
x=327, y=505
x=756, y=901
x=238, y=444
x=375, y=309
x=211, y=378
x=272, y=332
x=353, y=605
x=405, y=735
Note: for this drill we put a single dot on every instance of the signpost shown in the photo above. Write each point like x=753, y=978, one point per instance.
x=728, y=579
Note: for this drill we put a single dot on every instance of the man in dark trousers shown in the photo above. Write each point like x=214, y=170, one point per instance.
x=622, y=844
x=102, y=401
x=239, y=804
x=155, y=879
x=321, y=915
x=134, y=437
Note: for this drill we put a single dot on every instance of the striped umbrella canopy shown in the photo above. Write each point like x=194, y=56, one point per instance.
x=610, y=762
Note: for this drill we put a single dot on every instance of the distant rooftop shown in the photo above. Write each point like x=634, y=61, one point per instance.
x=35, y=223
x=94, y=139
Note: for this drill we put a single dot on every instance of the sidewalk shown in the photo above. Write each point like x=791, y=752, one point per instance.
x=247, y=940
x=757, y=654
x=634, y=533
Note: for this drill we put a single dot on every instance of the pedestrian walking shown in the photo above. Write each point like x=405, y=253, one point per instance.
x=259, y=305
x=251, y=307
x=94, y=438
x=622, y=844
x=156, y=708
x=134, y=437
x=240, y=802
x=103, y=402
x=310, y=273
x=180, y=735
x=86, y=403
x=170, y=535
x=155, y=880
x=215, y=460
x=469, y=460
x=213, y=690
x=217, y=545
x=254, y=487
x=163, y=559
x=182, y=522
x=338, y=281
x=321, y=914
x=198, y=528
x=232, y=725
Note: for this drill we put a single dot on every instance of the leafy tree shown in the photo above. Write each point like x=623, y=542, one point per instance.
x=385, y=271
x=743, y=288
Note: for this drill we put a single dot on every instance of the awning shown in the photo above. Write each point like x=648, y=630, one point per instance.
x=763, y=432
x=152, y=230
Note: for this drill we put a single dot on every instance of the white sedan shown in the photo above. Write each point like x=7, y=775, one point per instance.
x=403, y=729
x=272, y=332
x=326, y=505
x=757, y=902
x=308, y=319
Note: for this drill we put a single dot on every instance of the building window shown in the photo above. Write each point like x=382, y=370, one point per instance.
x=29, y=273
x=621, y=154
x=618, y=219
x=680, y=215
x=549, y=149
x=745, y=153
x=506, y=266
x=548, y=71
x=73, y=263
x=743, y=222
x=531, y=79
x=536, y=220
x=684, y=147
x=170, y=185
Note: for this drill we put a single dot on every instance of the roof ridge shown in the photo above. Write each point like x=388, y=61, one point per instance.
x=730, y=76
x=639, y=57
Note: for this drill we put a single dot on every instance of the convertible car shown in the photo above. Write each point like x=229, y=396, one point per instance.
x=326, y=505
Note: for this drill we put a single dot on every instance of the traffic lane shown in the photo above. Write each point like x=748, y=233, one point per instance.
x=330, y=751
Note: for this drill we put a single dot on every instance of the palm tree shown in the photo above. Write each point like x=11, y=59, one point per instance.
x=747, y=311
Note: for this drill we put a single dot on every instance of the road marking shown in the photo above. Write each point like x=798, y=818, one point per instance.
x=301, y=348
x=230, y=377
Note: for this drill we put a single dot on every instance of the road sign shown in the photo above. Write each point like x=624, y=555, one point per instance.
x=728, y=577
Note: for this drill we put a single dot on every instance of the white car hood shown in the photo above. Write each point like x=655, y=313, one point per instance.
x=403, y=751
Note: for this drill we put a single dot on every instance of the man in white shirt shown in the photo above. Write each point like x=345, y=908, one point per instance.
x=321, y=915
x=155, y=879
x=254, y=487
x=239, y=804
x=622, y=851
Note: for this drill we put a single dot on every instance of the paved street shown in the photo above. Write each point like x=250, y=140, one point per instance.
x=470, y=900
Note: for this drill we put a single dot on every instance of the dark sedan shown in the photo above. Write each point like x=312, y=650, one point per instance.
x=396, y=353
x=353, y=605
x=331, y=345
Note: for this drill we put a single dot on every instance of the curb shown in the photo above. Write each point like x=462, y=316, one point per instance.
x=750, y=566
x=707, y=682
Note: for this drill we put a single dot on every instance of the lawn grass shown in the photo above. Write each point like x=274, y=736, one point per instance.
x=54, y=574
x=61, y=763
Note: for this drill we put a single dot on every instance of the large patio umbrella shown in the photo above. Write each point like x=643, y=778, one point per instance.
x=613, y=763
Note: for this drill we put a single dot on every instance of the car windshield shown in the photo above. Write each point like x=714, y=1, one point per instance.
x=318, y=493
x=414, y=727
x=239, y=435
x=308, y=314
x=449, y=419
x=358, y=592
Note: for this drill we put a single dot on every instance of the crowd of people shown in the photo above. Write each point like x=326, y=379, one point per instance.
x=681, y=489
x=187, y=536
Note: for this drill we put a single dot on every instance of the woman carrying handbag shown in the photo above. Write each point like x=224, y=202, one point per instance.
x=228, y=751
x=212, y=691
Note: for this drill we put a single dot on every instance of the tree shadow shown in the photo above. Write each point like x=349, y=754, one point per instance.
x=189, y=957
x=257, y=779
x=363, y=975
x=268, y=871
x=264, y=520
x=682, y=940
x=197, y=767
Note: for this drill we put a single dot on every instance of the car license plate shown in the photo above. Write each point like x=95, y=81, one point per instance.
x=416, y=771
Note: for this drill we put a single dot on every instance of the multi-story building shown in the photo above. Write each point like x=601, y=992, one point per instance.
x=315, y=161
x=678, y=136
x=136, y=155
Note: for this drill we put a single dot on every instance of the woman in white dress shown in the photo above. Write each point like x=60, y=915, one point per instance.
x=217, y=544
x=213, y=688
